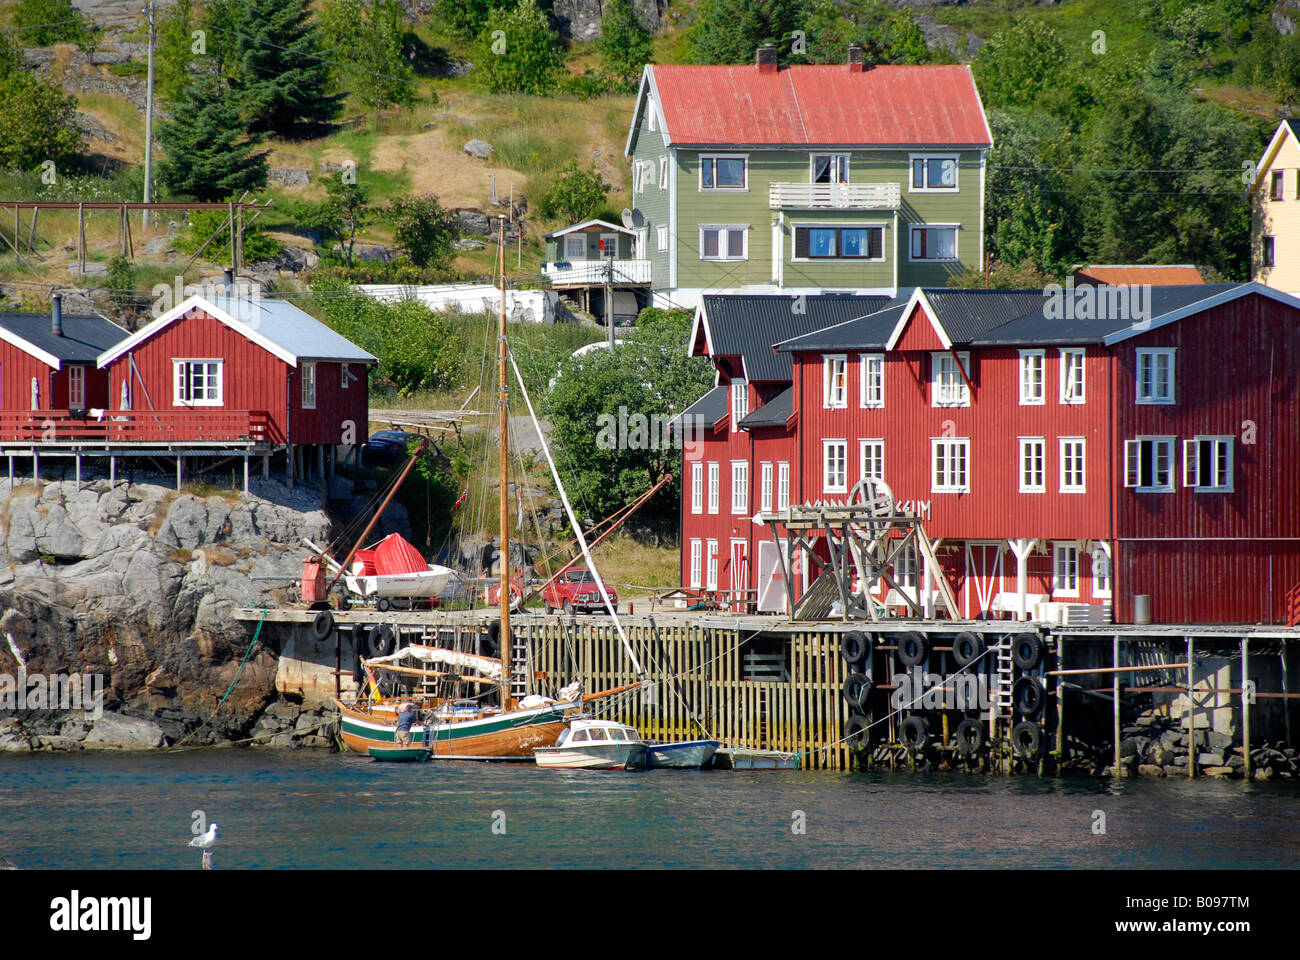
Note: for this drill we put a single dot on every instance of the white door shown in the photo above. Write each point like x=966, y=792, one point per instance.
x=771, y=579
x=983, y=576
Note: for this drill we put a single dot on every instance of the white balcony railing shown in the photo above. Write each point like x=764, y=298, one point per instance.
x=594, y=272
x=834, y=196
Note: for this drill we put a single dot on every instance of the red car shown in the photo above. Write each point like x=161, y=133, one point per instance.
x=576, y=591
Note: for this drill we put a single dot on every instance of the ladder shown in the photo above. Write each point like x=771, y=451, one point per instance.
x=1004, y=678
x=521, y=665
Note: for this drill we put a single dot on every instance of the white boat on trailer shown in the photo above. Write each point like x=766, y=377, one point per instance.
x=594, y=745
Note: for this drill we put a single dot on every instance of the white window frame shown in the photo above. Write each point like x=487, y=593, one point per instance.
x=663, y=172
x=1192, y=478
x=581, y=238
x=872, y=448
x=697, y=488
x=835, y=395
x=220, y=376
x=782, y=484
x=765, y=487
x=1068, y=448
x=76, y=387
x=950, y=481
x=661, y=236
x=871, y=391
x=905, y=569
x=1102, y=549
x=835, y=158
x=650, y=115
x=739, y=402
x=607, y=238
x=1151, y=397
x=724, y=242
x=309, y=380
x=1035, y=447
x=1029, y=359
x=712, y=158
x=940, y=362
x=1133, y=463
x=1062, y=552
x=911, y=166
x=956, y=242
x=697, y=563
x=714, y=483
x=1069, y=356
x=829, y=474
x=711, y=569
x=740, y=487
x=344, y=376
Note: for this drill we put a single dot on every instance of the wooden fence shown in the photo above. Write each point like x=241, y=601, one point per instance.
x=704, y=687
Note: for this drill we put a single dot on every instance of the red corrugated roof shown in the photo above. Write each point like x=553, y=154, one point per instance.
x=821, y=105
x=1156, y=275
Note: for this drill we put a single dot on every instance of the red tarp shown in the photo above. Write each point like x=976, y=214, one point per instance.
x=367, y=560
x=395, y=555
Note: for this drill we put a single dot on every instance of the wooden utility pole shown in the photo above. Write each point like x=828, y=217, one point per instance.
x=504, y=418
x=609, y=297
x=148, y=117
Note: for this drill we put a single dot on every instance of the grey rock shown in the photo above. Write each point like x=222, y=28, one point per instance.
x=1219, y=771
x=472, y=221
x=186, y=522
x=91, y=269
x=1210, y=759
x=470, y=244
x=1217, y=741
x=296, y=259
x=1150, y=770
x=289, y=176
x=113, y=730
x=479, y=149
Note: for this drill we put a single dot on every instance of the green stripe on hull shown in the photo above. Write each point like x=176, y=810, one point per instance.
x=451, y=732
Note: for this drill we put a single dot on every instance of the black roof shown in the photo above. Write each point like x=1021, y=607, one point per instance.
x=1011, y=317
x=774, y=413
x=83, y=340
x=710, y=408
x=747, y=325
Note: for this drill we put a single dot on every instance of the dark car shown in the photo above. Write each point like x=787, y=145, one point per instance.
x=386, y=446
x=576, y=590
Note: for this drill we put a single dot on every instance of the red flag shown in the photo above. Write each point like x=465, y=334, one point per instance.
x=461, y=499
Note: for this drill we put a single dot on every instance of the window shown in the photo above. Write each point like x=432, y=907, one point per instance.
x=1268, y=257
x=697, y=556
x=872, y=459
x=1031, y=465
x=650, y=115
x=662, y=235
x=663, y=173
x=872, y=393
x=346, y=376
x=947, y=385
x=1072, y=465
x=739, y=402
x=1277, y=185
x=713, y=486
x=724, y=173
x=835, y=374
x=934, y=173
x=1149, y=464
x=765, y=501
x=1065, y=569
x=950, y=461
x=724, y=243
x=575, y=246
x=1072, y=375
x=1101, y=570
x=712, y=582
x=782, y=485
x=76, y=387
x=609, y=245
x=1031, y=377
x=934, y=243
x=835, y=466
x=1207, y=464
x=1155, y=375
x=697, y=488
x=740, y=487
x=196, y=383
x=839, y=243
x=905, y=568
x=309, y=386
x=829, y=168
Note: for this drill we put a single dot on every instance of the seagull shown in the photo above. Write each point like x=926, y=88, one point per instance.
x=207, y=841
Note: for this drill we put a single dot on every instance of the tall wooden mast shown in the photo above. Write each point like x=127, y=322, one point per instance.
x=503, y=409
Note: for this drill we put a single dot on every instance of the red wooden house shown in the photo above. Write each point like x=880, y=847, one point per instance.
x=1101, y=452
x=260, y=370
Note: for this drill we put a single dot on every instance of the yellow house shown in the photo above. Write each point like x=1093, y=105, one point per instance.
x=1275, y=212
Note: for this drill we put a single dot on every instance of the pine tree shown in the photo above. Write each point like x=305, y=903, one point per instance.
x=208, y=157
x=277, y=67
x=731, y=31
x=624, y=44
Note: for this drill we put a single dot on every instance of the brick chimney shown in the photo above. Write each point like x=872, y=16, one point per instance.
x=857, y=58
x=765, y=58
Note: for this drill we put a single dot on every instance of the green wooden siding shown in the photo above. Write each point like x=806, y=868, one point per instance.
x=555, y=245
x=652, y=202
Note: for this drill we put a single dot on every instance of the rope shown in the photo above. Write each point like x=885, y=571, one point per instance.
x=257, y=633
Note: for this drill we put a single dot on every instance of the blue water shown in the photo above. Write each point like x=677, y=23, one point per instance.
x=288, y=809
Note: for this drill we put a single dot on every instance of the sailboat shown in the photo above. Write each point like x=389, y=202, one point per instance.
x=469, y=728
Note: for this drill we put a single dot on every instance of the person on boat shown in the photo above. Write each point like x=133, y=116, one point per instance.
x=406, y=714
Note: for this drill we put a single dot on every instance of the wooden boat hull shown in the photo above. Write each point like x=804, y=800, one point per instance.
x=681, y=756
x=509, y=736
x=592, y=756
x=399, y=754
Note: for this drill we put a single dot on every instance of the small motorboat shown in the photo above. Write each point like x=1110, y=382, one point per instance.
x=594, y=745
x=692, y=754
x=400, y=754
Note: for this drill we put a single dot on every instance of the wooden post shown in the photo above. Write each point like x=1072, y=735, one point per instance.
x=1191, y=715
x=1245, y=709
x=112, y=470
x=504, y=445
x=245, y=473
x=233, y=265
x=81, y=238
x=1286, y=688
x=78, y=481
x=36, y=467
x=180, y=470
x=31, y=237
x=1060, y=704
x=1115, y=694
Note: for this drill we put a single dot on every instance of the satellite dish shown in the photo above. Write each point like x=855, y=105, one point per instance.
x=627, y=218
x=638, y=219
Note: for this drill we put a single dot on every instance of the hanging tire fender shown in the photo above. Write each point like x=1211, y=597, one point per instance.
x=854, y=646
x=913, y=647
x=493, y=639
x=857, y=732
x=1027, y=740
x=1028, y=695
x=380, y=639
x=966, y=647
x=857, y=689
x=1027, y=650
x=322, y=625
x=969, y=737
x=914, y=734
